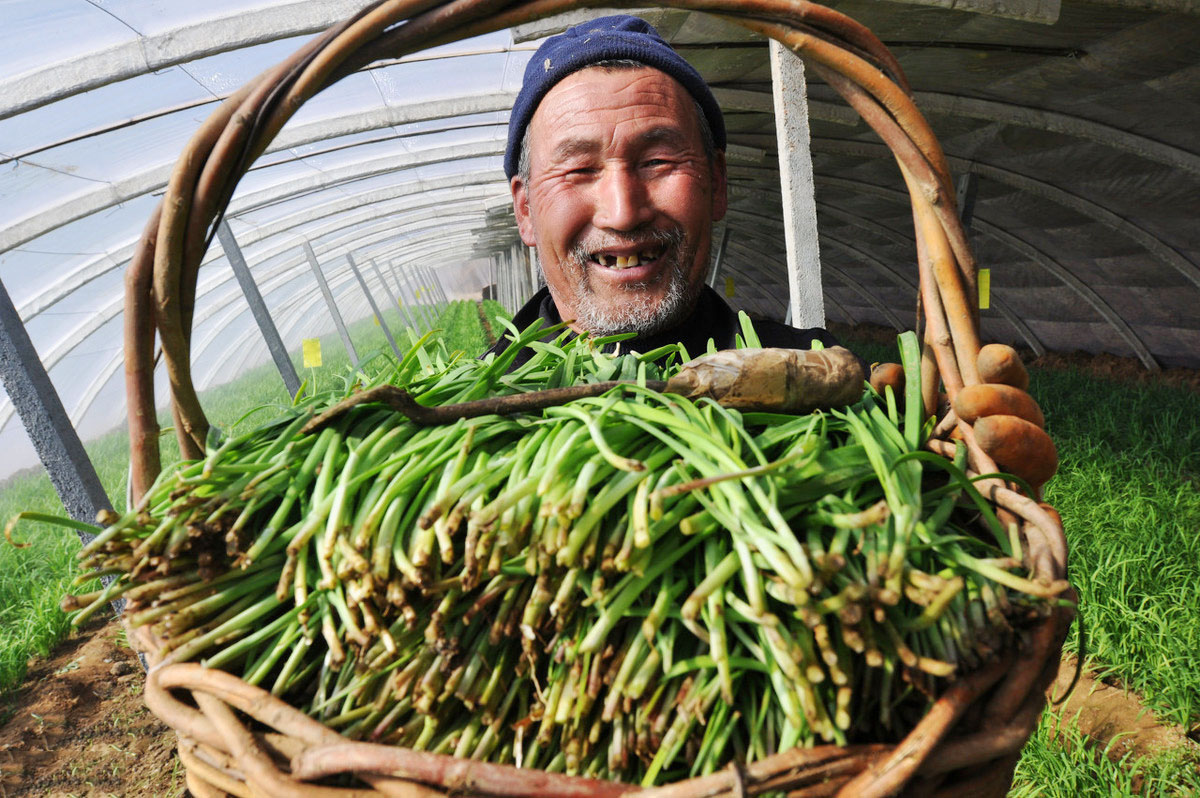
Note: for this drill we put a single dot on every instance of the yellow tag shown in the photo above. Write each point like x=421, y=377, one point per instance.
x=985, y=289
x=311, y=347
x=729, y=287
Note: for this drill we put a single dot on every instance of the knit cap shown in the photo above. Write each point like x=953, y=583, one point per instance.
x=607, y=38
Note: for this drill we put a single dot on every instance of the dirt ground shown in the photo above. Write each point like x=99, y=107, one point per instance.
x=78, y=727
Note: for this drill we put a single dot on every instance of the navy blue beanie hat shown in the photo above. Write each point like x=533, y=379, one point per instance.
x=607, y=38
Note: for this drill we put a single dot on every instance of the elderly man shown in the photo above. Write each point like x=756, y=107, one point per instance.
x=616, y=161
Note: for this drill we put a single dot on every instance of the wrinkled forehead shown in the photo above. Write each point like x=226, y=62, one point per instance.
x=604, y=103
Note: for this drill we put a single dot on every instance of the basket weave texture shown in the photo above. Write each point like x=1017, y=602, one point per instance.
x=235, y=739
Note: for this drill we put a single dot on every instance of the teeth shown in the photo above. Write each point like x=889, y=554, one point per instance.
x=625, y=261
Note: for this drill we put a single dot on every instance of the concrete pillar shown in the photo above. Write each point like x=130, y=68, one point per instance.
x=806, y=304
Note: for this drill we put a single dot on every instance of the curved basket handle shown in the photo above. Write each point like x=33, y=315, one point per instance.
x=162, y=276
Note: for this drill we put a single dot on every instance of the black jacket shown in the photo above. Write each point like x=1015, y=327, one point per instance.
x=711, y=318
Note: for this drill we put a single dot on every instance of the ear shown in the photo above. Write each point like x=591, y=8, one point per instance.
x=520, y=195
x=719, y=186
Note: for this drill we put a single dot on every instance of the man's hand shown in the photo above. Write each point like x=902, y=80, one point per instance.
x=1007, y=422
x=884, y=374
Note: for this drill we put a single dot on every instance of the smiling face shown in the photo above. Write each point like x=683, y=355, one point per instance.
x=620, y=199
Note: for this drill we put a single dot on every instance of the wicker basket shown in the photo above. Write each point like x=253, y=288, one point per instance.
x=235, y=739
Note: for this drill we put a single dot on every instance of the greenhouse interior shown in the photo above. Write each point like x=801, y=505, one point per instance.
x=242, y=240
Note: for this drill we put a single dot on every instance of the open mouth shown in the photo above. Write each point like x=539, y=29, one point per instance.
x=619, y=262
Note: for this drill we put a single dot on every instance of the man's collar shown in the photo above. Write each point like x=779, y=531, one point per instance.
x=710, y=318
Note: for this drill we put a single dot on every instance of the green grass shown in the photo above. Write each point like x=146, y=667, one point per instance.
x=1065, y=764
x=1127, y=491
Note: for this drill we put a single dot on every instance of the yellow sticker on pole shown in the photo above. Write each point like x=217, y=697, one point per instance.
x=985, y=289
x=311, y=347
x=729, y=292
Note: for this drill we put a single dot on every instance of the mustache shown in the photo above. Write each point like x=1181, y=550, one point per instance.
x=583, y=251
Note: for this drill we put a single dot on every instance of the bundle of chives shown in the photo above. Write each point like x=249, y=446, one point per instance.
x=634, y=586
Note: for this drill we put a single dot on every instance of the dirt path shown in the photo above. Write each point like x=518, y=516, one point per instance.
x=78, y=727
x=1105, y=714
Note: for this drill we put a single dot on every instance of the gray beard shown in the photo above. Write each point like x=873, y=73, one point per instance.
x=636, y=312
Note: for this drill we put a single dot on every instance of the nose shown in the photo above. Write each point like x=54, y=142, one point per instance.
x=622, y=201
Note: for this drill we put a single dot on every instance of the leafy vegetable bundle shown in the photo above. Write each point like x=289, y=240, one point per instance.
x=635, y=586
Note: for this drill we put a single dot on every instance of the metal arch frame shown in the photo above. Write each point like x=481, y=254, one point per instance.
x=762, y=292
x=93, y=323
x=1071, y=281
x=1040, y=188
x=154, y=178
x=170, y=47
x=252, y=234
x=1045, y=261
x=872, y=300
x=295, y=317
x=254, y=252
x=1008, y=113
x=363, y=169
x=87, y=328
x=895, y=236
x=106, y=314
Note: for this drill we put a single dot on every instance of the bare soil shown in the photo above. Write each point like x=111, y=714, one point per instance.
x=77, y=726
x=1107, y=713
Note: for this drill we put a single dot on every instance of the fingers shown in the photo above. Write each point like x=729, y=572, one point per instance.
x=1019, y=447
x=1008, y=423
x=884, y=374
x=1000, y=364
x=977, y=401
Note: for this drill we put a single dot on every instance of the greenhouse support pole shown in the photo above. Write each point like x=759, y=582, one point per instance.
x=270, y=333
x=401, y=309
x=716, y=266
x=41, y=411
x=502, y=280
x=50, y=429
x=441, y=290
x=968, y=185
x=806, y=305
x=437, y=281
x=333, y=309
x=410, y=313
x=441, y=287
x=414, y=290
x=374, y=307
x=432, y=288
